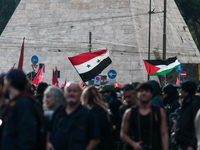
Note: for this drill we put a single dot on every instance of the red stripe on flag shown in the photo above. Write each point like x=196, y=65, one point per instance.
x=84, y=57
x=150, y=68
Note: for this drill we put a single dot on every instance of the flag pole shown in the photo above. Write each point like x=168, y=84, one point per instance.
x=149, y=33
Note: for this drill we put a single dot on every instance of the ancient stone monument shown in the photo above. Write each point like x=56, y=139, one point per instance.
x=58, y=29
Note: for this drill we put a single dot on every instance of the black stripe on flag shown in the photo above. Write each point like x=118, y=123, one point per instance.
x=160, y=62
x=96, y=70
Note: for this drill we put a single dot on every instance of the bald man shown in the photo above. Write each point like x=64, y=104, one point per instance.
x=73, y=127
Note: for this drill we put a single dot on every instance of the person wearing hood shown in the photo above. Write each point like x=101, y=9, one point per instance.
x=156, y=99
x=184, y=135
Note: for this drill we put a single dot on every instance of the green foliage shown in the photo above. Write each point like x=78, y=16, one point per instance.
x=7, y=7
x=156, y=53
x=191, y=14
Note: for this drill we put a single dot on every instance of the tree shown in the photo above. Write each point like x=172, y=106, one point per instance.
x=191, y=14
x=7, y=7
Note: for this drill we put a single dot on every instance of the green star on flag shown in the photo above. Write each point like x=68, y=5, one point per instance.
x=98, y=60
x=88, y=66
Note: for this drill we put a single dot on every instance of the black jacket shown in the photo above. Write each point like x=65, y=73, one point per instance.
x=185, y=131
x=105, y=128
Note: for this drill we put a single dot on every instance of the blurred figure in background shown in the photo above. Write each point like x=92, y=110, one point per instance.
x=170, y=95
x=93, y=99
x=130, y=95
x=108, y=92
x=19, y=119
x=53, y=98
x=40, y=94
x=156, y=99
x=184, y=135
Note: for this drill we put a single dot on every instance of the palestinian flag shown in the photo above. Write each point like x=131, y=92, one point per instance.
x=89, y=65
x=159, y=67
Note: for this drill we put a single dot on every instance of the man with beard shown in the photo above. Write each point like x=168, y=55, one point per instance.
x=144, y=127
x=130, y=95
x=73, y=127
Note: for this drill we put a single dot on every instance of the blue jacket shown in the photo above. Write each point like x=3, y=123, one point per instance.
x=19, y=125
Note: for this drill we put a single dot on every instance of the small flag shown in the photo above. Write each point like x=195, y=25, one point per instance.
x=177, y=81
x=54, y=79
x=91, y=64
x=82, y=84
x=21, y=59
x=11, y=68
x=159, y=67
x=39, y=77
x=65, y=81
x=118, y=85
x=56, y=69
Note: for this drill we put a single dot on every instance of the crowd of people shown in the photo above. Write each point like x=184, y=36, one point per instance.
x=138, y=116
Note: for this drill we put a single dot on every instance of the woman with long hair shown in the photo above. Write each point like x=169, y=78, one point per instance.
x=93, y=100
x=53, y=97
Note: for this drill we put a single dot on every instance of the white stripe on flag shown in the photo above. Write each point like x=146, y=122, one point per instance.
x=165, y=67
x=82, y=68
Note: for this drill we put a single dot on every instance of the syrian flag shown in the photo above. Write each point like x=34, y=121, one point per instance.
x=159, y=67
x=89, y=65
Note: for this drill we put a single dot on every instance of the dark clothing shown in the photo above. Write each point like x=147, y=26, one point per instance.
x=123, y=108
x=185, y=131
x=171, y=104
x=146, y=128
x=114, y=105
x=105, y=128
x=39, y=101
x=156, y=100
x=73, y=131
x=19, y=124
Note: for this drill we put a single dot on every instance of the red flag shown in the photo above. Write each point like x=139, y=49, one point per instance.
x=21, y=59
x=177, y=81
x=39, y=77
x=11, y=68
x=56, y=69
x=54, y=79
x=82, y=84
x=118, y=85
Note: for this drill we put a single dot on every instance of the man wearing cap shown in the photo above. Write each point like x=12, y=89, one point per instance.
x=108, y=92
x=184, y=137
x=130, y=95
x=19, y=120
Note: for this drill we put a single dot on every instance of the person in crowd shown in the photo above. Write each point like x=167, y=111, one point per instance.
x=130, y=95
x=53, y=98
x=19, y=120
x=156, y=100
x=184, y=136
x=108, y=92
x=40, y=94
x=2, y=91
x=170, y=96
x=74, y=126
x=197, y=128
x=144, y=127
x=93, y=99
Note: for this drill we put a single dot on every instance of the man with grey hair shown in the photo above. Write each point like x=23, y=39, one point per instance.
x=73, y=127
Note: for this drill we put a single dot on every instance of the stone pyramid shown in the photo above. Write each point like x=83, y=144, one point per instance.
x=58, y=29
